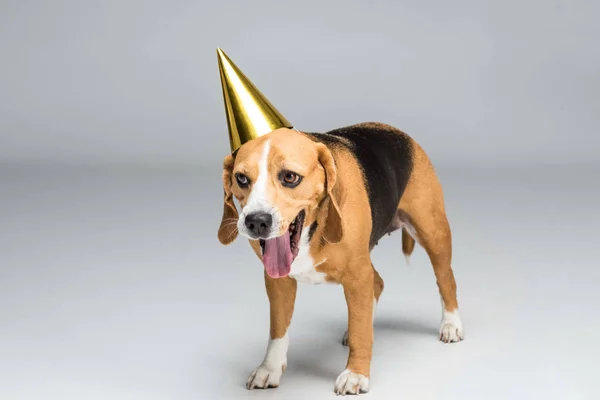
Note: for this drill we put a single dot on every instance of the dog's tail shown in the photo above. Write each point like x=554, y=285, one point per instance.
x=408, y=243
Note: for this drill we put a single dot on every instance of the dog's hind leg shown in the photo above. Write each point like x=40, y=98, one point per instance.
x=434, y=235
x=377, y=290
x=282, y=296
x=408, y=243
x=422, y=212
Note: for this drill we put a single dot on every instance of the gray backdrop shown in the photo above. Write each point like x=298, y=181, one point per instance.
x=137, y=82
x=112, y=133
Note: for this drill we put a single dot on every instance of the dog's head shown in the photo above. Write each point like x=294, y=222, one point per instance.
x=280, y=181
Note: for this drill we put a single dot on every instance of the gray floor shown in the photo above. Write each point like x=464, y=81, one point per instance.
x=113, y=286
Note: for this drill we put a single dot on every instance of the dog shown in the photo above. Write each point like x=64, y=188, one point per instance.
x=313, y=207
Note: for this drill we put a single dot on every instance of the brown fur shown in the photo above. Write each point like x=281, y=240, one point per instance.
x=408, y=243
x=423, y=204
x=333, y=194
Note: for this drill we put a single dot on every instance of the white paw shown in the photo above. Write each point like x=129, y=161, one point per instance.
x=351, y=383
x=264, y=377
x=450, y=333
x=451, y=330
x=345, y=339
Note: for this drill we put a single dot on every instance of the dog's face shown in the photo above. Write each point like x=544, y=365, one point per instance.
x=279, y=180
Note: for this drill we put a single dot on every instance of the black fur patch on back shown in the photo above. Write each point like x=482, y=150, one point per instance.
x=386, y=159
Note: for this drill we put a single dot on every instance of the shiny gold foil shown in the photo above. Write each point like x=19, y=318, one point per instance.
x=249, y=113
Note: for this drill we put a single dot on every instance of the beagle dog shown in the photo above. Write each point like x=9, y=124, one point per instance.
x=313, y=206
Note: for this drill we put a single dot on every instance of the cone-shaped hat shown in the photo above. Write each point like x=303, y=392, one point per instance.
x=249, y=113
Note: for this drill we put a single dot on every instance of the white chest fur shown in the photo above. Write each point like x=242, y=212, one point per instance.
x=303, y=267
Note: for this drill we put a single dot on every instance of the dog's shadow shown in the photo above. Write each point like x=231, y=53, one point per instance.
x=322, y=358
x=386, y=326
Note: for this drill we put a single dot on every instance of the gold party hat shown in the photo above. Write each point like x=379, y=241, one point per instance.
x=249, y=113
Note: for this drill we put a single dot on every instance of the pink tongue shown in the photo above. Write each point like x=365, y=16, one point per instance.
x=277, y=256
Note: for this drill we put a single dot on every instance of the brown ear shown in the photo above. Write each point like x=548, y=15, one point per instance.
x=228, y=230
x=334, y=230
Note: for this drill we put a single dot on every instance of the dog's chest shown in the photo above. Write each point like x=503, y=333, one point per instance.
x=304, y=266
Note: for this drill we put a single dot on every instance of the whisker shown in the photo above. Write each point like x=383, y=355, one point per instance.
x=234, y=232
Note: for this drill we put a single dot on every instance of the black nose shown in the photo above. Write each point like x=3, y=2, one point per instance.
x=259, y=224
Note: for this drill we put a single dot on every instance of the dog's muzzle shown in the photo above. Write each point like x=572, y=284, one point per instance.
x=259, y=224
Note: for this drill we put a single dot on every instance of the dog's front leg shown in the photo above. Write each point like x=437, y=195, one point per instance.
x=282, y=295
x=358, y=289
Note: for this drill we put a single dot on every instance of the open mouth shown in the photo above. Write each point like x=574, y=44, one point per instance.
x=279, y=253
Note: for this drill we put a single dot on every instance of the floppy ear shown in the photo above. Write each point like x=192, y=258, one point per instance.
x=334, y=230
x=228, y=230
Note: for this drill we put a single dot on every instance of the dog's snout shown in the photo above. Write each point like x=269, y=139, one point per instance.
x=259, y=223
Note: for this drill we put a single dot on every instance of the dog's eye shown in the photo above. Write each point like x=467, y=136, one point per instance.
x=242, y=180
x=290, y=179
